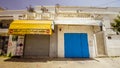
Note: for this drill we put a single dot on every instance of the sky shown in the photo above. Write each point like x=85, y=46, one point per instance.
x=22, y=4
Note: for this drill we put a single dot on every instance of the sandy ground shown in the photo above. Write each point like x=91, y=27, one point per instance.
x=60, y=63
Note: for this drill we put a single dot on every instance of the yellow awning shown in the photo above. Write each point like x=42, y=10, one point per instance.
x=31, y=27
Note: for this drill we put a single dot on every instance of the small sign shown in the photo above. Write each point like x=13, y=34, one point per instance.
x=30, y=31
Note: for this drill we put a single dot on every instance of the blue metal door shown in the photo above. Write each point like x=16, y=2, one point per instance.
x=76, y=45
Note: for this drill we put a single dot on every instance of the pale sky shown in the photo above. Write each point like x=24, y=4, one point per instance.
x=22, y=4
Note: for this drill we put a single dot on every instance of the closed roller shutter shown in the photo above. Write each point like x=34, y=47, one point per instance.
x=37, y=45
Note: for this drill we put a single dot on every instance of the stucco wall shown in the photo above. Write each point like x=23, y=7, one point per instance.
x=113, y=45
x=75, y=29
x=3, y=30
x=101, y=51
x=53, y=43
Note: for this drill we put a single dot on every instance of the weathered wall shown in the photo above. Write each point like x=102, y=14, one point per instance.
x=75, y=29
x=100, y=43
x=53, y=43
x=113, y=45
x=3, y=30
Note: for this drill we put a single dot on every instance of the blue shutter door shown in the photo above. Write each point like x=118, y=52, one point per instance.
x=76, y=45
x=84, y=42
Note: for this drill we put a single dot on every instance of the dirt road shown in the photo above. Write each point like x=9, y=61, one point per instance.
x=60, y=63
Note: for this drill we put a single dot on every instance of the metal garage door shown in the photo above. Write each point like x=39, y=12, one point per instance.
x=76, y=45
x=37, y=45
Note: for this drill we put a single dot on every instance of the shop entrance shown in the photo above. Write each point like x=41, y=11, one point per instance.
x=37, y=45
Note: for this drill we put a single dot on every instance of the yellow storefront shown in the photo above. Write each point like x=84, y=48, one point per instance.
x=30, y=38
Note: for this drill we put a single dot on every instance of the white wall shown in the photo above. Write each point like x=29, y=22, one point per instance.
x=3, y=30
x=75, y=29
x=76, y=21
x=113, y=45
x=53, y=43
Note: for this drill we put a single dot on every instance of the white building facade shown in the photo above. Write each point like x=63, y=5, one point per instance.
x=78, y=32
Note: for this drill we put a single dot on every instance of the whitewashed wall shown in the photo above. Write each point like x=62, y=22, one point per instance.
x=75, y=29
x=113, y=45
x=53, y=43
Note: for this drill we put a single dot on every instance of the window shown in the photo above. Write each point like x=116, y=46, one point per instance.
x=5, y=23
